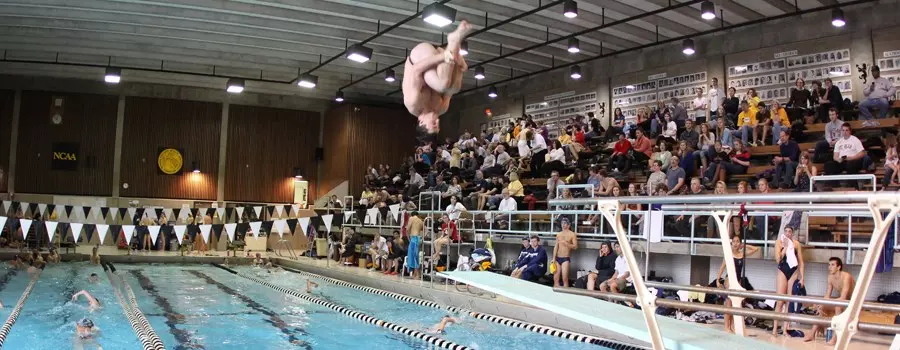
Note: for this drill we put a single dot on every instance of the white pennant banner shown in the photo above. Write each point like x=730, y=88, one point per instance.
x=51, y=228
x=168, y=213
x=154, y=233
x=179, y=232
x=372, y=216
x=327, y=220
x=204, y=231
x=151, y=212
x=183, y=214
x=279, y=210
x=347, y=215
x=258, y=211
x=26, y=225
x=41, y=208
x=2, y=224
x=229, y=230
x=24, y=207
x=255, y=226
x=131, y=212
x=281, y=225
x=76, y=230
x=221, y=212
x=128, y=230
x=79, y=212
x=240, y=213
x=101, y=232
x=303, y=222
x=296, y=209
x=98, y=213
x=113, y=213
x=395, y=211
x=6, y=206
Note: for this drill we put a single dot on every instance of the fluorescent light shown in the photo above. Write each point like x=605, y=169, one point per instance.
x=308, y=81
x=479, y=72
x=113, y=75
x=837, y=18
x=389, y=76
x=492, y=92
x=439, y=15
x=687, y=46
x=570, y=9
x=339, y=96
x=235, y=86
x=464, y=48
x=573, y=45
x=359, y=53
x=707, y=10
x=575, y=72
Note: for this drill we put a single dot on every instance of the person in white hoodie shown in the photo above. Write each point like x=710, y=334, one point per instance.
x=878, y=93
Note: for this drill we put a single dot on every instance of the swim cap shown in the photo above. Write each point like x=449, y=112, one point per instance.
x=84, y=322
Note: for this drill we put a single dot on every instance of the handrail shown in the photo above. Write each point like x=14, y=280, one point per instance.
x=812, y=180
x=584, y=186
x=831, y=197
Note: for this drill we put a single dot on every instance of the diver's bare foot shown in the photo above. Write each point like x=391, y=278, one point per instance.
x=457, y=36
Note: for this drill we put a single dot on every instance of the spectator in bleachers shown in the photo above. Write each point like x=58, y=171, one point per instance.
x=619, y=159
x=777, y=120
x=455, y=209
x=685, y=153
x=643, y=148
x=414, y=184
x=689, y=134
x=670, y=130
x=752, y=98
x=705, y=146
x=556, y=159
x=492, y=188
x=535, y=263
x=622, y=276
x=830, y=98
x=746, y=123
x=805, y=170
x=655, y=119
x=699, y=107
x=605, y=184
x=679, y=113
x=891, y=162
x=538, y=151
x=832, y=135
x=662, y=155
x=454, y=189
x=494, y=201
x=786, y=161
x=657, y=177
x=618, y=123
x=714, y=157
x=878, y=95
x=800, y=96
x=507, y=204
x=724, y=131
x=738, y=161
x=682, y=224
x=848, y=154
x=604, y=268
x=731, y=106
x=479, y=186
x=502, y=161
x=579, y=135
x=489, y=159
x=553, y=184
x=714, y=99
x=675, y=176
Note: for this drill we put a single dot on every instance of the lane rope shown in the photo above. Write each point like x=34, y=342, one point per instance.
x=14, y=315
x=139, y=323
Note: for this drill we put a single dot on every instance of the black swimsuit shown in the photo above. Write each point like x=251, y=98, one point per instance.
x=786, y=269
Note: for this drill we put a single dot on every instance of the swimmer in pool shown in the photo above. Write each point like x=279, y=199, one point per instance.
x=93, y=278
x=93, y=303
x=440, y=327
x=95, y=256
x=310, y=285
x=38, y=266
x=86, y=333
x=258, y=260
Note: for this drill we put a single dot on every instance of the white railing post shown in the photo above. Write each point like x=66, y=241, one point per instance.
x=647, y=300
x=723, y=221
x=845, y=324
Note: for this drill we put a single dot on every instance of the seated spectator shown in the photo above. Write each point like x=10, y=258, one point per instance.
x=605, y=184
x=367, y=196
x=706, y=142
x=480, y=186
x=619, y=159
x=685, y=153
x=777, y=120
x=829, y=97
x=662, y=155
x=493, y=188
x=848, y=154
x=618, y=123
x=786, y=162
x=657, y=177
x=800, y=96
x=622, y=276
x=535, y=263
x=553, y=184
x=503, y=161
x=523, y=252
x=454, y=209
x=537, y=149
x=604, y=268
x=494, y=201
x=878, y=95
x=454, y=189
x=675, y=177
x=891, y=163
x=490, y=160
x=515, y=187
x=805, y=170
x=746, y=123
x=833, y=133
x=643, y=148
x=670, y=132
x=689, y=135
x=414, y=184
x=556, y=159
x=378, y=253
x=656, y=119
x=724, y=130
x=449, y=228
x=507, y=203
x=579, y=136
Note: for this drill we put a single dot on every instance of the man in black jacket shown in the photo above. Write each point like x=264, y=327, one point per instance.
x=604, y=267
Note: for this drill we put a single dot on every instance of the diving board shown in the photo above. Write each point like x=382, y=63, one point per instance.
x=678, y=335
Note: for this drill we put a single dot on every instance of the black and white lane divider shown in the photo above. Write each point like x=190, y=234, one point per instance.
x=555, y=332
x=14, y=315
x=145, y=333
x=430, y=339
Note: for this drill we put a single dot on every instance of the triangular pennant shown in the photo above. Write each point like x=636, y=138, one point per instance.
x=194, y=211
x=217, y=229
x=68, y=210
x=240, y=213
x=114, y=231
x=326, y=219
x=89, y=231
x=229, y=231
x=181, y=214
x=150, y=212
x=372, y=216
x=287, y=209
x=221, y=212
x=104, y=211
x=50, y=209
x=131, y=213
x=210, y=212
x=7, y=205
x=25, y=207
x=85, y=211
x=168, y=213
x=279, y=210
x=26, y=225
x=254, y=227
x=347, y=215
x=292, y=225
x=296, y=209
x=97, y=212
x=270, y=210
x=41, y=208
x=154, y=233
x=258, y=211
x=395, y=211
x=51, y=228
x=304, y=224
x=204, y=231
x=76, y=230
x=179, y=232
x=277, y=227
x=101, y=232
x=229, y=212
x=2, y=224
x=120, y=212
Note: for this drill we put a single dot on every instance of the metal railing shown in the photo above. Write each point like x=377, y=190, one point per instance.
x=848, y=177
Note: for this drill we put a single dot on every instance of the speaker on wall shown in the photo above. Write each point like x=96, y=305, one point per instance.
x=320, y=153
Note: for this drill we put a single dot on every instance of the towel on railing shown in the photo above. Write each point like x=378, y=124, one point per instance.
x=789, y=251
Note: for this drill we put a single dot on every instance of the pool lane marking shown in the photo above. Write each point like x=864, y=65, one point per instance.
x=172, y=317
x=430, y=339
x=582, y=338
x=274, y=319
x=14, y=314
x=139, y=324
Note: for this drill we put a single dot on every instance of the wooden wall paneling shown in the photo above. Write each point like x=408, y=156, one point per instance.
x=87, y=119
x=7, y=100
x=336, y=141
x=378, y=135
x=191, y=126
x=264, y=146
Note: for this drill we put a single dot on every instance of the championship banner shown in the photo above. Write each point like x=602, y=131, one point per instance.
x=64, y=156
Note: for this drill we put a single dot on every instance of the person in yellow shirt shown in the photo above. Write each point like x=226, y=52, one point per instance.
x=777, y=120
x=752, y=98
x=515, y=186
x=746, y=123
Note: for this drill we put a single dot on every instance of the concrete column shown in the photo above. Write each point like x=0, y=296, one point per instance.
x=700, y=269
x=13, y=143
x=223, y=150
x=117, y=153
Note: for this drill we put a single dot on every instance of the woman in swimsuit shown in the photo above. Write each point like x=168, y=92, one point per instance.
x=789, y=256
x=737, y=250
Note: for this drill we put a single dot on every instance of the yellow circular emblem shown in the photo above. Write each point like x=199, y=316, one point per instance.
x=170, y=161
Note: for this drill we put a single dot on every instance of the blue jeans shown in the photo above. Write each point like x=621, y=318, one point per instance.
x=726, y=137
x=654, y=126
x=744, y=131
x=776, y=133
x=865, y=108
x=784, y=173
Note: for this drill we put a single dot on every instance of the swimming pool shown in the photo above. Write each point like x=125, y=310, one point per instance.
x=204, y=307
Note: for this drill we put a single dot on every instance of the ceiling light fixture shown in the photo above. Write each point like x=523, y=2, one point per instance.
x=389, y=76
x=359, y=53
x=479, y=72
x=339, y=96
x=196, y=167
x=297, y=174
x=707, y=10
x=575, y=72
x=113, y=75
x=573, y=45
x=837, y=18
x=439, y=15
x=308, y=81
x=492, y=92
x=464, y=48
x=687, y=46
x=570, y=9
x=235, y=86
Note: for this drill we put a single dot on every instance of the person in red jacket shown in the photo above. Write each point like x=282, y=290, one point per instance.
x=619, y=159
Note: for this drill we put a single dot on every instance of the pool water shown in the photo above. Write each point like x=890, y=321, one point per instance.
x=204, y=307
